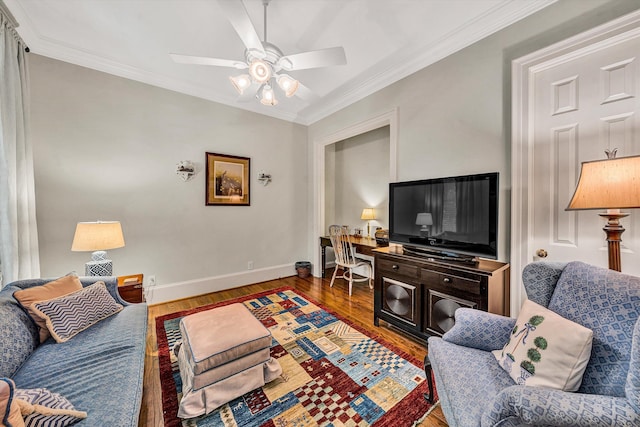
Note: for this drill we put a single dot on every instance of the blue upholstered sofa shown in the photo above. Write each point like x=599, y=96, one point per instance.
x=475, y=391
x=99, y=371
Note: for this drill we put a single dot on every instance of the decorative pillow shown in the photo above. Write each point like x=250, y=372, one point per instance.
x=545, y=349
x=68, y=315
x=42, y=408
x=26, y=297
x=10, y=414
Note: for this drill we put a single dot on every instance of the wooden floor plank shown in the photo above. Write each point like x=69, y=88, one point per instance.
x=357, y=308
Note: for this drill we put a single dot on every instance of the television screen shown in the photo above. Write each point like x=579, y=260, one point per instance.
x=446, y=216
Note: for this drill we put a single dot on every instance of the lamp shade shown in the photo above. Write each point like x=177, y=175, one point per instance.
x=288, y=84
x=424, y=218
x=268, y=97
x=608, y=184
x=241, y=82
x=368, y=214
x=97, y=236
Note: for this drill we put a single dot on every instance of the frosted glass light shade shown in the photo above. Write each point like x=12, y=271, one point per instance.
x=268, y=97
x=97, y=236
x=288, y=84
x=368, y=214
x=260, y=71
x=608, y=184
x=241, y=82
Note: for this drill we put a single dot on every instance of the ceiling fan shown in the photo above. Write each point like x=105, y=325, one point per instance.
x=264, y=61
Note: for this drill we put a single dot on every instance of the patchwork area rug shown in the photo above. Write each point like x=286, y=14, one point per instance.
x=334, y=373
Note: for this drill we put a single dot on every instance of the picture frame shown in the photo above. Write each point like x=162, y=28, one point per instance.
x=227, y=180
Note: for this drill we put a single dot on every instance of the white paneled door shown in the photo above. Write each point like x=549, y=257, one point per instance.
x=583, y=105
x=571, y=102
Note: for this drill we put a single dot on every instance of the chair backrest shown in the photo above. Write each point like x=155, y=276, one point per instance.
x=605, y=301
x=341, y=243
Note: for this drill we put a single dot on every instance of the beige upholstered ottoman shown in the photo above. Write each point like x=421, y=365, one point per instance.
x=225, y=353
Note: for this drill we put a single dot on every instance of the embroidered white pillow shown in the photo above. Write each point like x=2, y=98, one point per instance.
x=546, y=350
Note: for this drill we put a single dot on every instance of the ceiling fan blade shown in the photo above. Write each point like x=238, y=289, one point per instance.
x=306, y=94
x=204, y=60
x=237, y=15
x=314, y=59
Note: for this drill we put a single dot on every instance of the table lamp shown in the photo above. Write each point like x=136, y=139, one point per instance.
x=98, y=237
x=611, y=184
x=368, y=214
x=425, y=220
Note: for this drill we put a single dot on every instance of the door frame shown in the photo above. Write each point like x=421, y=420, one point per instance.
x=388, y=118
x=523, y=72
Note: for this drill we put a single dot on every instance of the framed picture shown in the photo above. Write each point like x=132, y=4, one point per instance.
x=227, y=180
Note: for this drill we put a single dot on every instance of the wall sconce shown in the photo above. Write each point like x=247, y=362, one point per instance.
x=185, y=170
x=264, y=178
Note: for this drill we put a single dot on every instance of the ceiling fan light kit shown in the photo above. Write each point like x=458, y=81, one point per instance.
x=288, y=84
x=264, y=60
x=241, y=82
x=260, y=71
x=268, y=97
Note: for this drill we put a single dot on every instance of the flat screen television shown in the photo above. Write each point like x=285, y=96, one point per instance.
x=448, y=218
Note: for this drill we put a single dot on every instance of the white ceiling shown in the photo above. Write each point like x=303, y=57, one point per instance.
x=384, y=40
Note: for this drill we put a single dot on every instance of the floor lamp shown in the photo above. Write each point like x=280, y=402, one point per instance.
x=610, y=184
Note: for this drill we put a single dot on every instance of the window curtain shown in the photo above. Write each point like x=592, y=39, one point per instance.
x=473, y=218
x=433, y=204
x=19, y=256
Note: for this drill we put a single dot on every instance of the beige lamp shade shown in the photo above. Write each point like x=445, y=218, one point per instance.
x=97, y=236
x=368, y=214
x=424, y=218
x=608, y=184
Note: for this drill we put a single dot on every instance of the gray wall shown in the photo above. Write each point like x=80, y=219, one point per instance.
x=454, y=116
x=106, y=148
x=356, y=177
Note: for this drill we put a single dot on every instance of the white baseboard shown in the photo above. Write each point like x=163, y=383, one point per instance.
x=191, y=288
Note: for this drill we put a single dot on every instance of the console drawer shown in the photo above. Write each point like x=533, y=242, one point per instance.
x=132, y=293
x=450, y=281
x=400, y=268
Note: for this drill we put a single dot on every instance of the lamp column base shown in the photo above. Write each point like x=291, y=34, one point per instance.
x=99, y=268
x=614, y=230
x=99, y=265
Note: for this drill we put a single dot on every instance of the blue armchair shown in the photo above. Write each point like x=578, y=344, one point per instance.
x=475, y=391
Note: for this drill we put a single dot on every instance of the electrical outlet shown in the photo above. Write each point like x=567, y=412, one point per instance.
x=151, y=281
x=250, y=265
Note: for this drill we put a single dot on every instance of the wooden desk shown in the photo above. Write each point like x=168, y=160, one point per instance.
x=362, y=245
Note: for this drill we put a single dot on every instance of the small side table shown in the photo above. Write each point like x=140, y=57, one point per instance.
x=130, y=288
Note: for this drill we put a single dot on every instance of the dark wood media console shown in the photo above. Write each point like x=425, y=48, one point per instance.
x=419, y=294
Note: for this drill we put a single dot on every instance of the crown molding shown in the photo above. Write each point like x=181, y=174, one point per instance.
x=492, y=21
x=406, y=63
x=6, y=12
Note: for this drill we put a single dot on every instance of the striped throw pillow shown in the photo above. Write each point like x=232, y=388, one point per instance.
x=68, y=315
x=42, y=408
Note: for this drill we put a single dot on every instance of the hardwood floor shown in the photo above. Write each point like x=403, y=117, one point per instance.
x=358, y=309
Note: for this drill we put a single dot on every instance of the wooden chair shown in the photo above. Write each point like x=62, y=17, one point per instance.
x=345, y=257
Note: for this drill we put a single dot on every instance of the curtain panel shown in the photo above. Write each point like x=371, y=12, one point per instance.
x=19, y=256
